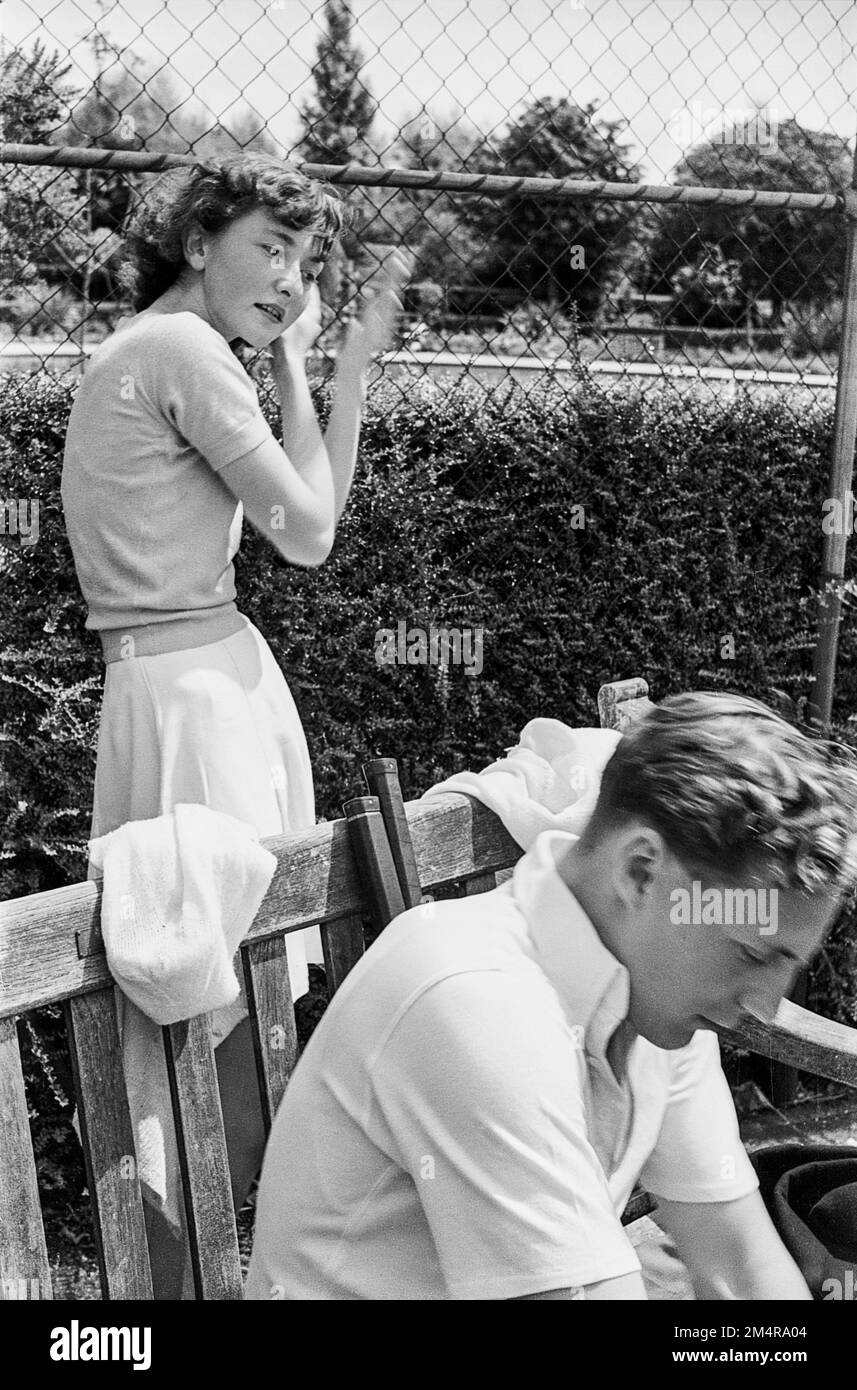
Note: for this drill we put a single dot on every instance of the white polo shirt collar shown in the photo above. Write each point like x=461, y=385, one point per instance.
x=595, y=987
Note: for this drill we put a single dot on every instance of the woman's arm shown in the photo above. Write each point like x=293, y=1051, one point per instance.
x=366, y=336
x=302, y=438
x=295, y=495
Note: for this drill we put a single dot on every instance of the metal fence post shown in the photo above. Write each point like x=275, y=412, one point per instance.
x=835, y=541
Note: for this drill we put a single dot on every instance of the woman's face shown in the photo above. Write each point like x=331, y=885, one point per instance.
x=253, y=276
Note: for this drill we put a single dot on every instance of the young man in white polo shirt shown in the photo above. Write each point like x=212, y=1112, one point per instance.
x=472, y=1112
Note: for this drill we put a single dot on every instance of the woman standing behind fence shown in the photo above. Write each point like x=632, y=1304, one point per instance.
x=166, y=442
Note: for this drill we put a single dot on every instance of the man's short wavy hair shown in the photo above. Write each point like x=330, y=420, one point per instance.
x=212, y=195
x=734, y=790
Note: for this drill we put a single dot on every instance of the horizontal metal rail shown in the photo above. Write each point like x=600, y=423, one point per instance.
x=491, y=185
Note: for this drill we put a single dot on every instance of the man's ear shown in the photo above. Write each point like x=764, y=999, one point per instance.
x=640, y=855
x=194, y=247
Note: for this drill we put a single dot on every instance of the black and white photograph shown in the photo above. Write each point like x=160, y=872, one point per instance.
x=428, y=666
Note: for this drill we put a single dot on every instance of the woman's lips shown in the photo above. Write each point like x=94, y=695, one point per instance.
x=271, y=315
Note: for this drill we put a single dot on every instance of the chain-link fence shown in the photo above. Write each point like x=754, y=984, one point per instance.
x=650, y=193
x=745, y=95
x=503, y=144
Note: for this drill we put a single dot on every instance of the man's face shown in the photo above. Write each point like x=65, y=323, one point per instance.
x=716, y=952
x=256, y=262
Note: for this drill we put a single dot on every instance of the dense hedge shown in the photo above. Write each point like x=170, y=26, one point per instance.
x=702, y=537
x=702, y=524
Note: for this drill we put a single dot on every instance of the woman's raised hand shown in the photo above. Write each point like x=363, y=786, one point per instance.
x=300, y=335
x=372, y=331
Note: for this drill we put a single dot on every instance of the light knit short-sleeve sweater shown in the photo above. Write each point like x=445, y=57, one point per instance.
x=162, y=407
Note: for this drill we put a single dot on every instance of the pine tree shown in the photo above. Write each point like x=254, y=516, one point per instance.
x=337, y=118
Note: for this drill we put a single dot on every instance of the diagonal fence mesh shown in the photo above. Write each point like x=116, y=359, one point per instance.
x=692, y=301
x=627, y=290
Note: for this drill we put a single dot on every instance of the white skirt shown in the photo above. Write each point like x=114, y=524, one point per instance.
x=215, y=725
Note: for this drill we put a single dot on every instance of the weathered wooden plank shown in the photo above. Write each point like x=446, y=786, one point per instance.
x=374, y=858
x=382, y=780
x=804, y=1040
x=621, y=703
x=50, y=945
x=275, y=1036
x=343, y=944
x=108, y=1146
x=455, y=836
x=24, y=1271
x=316, y=881
x=203, y=1160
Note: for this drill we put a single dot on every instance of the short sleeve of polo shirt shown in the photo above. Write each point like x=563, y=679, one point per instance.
x=483, y=1099
x=699, y=1156
x=190, y=376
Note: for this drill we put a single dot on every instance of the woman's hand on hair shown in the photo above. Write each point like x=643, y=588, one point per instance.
x=300, y=335
x=373, y=330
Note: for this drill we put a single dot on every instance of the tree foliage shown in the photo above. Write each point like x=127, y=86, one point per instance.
x=124, y=108
x=40, y=206
x=789, y=257
x=709, y=293
x=448, y=249
x=557, y=251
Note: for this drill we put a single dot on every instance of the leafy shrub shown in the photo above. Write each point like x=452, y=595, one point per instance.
x=709, y=293
x=702, y=524
x=531, y=329
x=813, y=328
x=37, y=308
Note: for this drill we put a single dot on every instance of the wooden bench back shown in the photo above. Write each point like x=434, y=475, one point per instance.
x=51, y=951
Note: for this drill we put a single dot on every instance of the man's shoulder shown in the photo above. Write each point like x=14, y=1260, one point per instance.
x=486, y=931
x=439, y=948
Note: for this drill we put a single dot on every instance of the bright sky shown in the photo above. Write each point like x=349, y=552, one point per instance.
x=667, y=67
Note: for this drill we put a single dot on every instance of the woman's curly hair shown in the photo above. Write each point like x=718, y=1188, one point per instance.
x=733, y=789
x=211, y=195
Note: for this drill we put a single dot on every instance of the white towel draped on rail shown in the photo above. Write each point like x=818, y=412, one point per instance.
x=548, y=781
x=179, y=893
